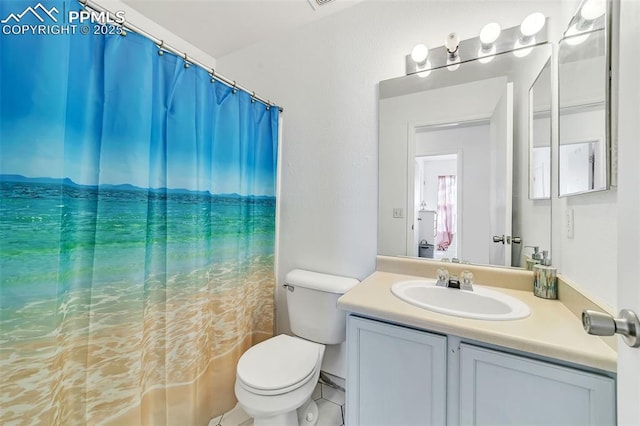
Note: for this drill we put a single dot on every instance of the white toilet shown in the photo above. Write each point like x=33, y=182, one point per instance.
x=276, y=378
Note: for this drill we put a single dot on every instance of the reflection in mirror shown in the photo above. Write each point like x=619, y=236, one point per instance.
x=540, y=136
x=583, y=122
x=454, y=161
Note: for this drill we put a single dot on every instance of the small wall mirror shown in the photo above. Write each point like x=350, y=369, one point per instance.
x=583, y=89
x=540, y=136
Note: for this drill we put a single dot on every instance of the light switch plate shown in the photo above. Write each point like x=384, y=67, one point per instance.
x=398, y=213
x=569, y=223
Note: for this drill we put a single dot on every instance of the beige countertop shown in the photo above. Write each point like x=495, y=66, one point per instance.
x=551, y=330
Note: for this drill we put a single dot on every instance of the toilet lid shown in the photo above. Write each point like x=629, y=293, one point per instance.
x=277, y=363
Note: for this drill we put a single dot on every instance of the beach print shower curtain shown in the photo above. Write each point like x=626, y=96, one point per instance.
x=137, y=228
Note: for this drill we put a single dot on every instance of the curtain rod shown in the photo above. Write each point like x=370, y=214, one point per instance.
x=89, y=4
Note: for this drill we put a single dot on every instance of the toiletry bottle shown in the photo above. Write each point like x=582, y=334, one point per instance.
x=545, y=282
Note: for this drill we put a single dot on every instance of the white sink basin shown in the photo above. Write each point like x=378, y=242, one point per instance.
x=481, y=303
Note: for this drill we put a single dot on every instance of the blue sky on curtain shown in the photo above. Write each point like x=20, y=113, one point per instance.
x=137, y=227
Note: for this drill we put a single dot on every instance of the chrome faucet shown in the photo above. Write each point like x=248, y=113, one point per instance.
x=452, y=281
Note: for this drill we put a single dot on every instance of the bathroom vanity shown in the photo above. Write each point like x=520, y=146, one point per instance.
x=408, y=365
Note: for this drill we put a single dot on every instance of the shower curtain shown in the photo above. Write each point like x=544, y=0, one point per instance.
x=137, y=229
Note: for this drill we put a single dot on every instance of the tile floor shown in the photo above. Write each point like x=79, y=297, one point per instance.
x=330, y=405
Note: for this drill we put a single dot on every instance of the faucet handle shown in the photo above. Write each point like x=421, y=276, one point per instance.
x=467, y=280
x=443, y=277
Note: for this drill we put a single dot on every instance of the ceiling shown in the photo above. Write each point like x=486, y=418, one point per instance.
x=219, y=27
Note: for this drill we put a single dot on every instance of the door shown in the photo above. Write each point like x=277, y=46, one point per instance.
x=501, y=179
x=629, y=206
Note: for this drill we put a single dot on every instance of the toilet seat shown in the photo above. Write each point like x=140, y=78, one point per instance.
x=278, y=365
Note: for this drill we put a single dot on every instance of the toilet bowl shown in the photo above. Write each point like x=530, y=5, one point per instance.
x=276, y=378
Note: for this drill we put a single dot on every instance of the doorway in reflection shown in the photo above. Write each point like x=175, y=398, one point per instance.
x=437, y=198
x=452, y=169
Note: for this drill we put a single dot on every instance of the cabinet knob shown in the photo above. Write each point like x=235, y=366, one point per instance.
x=601, y=324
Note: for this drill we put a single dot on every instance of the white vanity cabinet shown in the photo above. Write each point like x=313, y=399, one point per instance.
x=503, y=389
x=402, y=376
x=395, y=375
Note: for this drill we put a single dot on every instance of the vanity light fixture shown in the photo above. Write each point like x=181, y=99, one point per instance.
x=584, y=21
x=419, y=54
x=426, y=72
x=531, y=25
x=453, y=57
x=575, y=36
x=488, y=37
x=491, y=42
x=593, y=9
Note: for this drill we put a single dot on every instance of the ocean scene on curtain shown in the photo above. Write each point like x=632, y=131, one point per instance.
x=137, y=229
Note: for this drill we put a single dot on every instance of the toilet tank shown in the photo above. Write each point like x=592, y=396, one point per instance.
x=312, y=305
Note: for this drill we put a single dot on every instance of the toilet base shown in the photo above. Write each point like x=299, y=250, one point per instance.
x=307, y=415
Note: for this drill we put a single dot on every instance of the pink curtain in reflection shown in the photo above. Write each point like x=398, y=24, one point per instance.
x=446, y=210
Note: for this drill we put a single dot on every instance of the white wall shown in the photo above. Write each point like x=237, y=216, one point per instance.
x=134, y=17
x=325, y=75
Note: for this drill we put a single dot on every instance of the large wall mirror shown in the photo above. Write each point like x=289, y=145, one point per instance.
x=583, y=92
x=454, y=162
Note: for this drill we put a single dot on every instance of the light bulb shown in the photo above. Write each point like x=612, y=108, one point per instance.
x=593, y=9
x=452, y=42
x=490, y=33
x=419, y=53
x=575, y=37
x=532, y=24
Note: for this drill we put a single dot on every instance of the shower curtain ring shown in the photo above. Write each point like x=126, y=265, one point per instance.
x=160, y=47
x=234, y=88
x=186, y=61
x=253, y=97
x=213, y=75
x=268, y=104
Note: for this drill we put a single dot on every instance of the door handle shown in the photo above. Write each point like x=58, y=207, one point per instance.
x=497, y=239
x=601, y=324
x=516, y=240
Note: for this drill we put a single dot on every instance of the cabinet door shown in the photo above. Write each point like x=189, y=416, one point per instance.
x=395, y=375
x=503, y=389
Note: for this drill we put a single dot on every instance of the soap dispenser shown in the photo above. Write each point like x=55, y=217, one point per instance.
x=545, y=282
x=534, y=259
